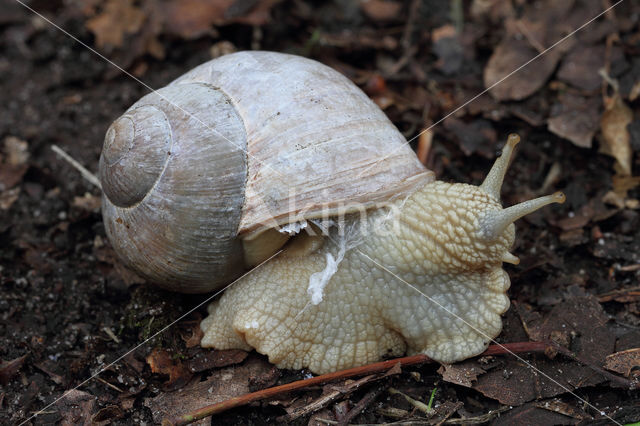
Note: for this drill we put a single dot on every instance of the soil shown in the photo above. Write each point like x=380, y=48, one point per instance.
x=68, y=307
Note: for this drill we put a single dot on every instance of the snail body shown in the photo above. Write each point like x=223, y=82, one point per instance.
x=199, y=176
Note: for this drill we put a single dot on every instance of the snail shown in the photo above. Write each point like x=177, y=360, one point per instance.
x=208, y=177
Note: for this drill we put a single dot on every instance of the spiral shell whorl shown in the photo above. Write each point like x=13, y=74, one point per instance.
x=136, y=149
x=173, y=171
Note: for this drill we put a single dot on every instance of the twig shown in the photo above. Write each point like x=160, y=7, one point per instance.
x=484, y=418
x=408, y=28
x=378, y=367
x=361, y=405
x=79, y=167
x=417, y=404
x=112, y=386
x=111, y=334
x=326, y=399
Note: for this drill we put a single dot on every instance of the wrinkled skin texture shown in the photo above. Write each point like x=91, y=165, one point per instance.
x=430, y=282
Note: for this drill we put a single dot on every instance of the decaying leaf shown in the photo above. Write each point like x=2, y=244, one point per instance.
x=221, y=385
x=8, y=197
x=118, y=19
x=575, y=118
x=88, y=202
x=208, y=359
x=506, y=58
x=380, y=10
x=16, y=150
x=465, y=373
x=76, y=407
x=616, y=138
x=10, y=368
x=160, y=362
x=625, y=362
x=136, y=25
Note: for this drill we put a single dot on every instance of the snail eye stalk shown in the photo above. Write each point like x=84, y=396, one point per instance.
x=493, y=182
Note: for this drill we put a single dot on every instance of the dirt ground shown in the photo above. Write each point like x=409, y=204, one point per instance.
x=68, y=308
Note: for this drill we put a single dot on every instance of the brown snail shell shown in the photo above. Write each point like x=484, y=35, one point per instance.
x=237, y=146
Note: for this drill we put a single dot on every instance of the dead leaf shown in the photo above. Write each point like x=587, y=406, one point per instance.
x=635, y=91
x=190, y=19
x=107, y=415
x=533, y=414
x=76, y=407
x=624, y=362
x=10, y=368
x=463, y=374
x=507, y=57
x=580, y=66
x=13, y=165
x=208, y=359
x=579, y=320
x=223, y=384
x=88, y=202
x=613, y=124
x=160, y=362
x=494, y=10
x=8, y=197
x=380, y=10
x=561, y=407
x=446, y=44
x=17, y=151
x=575, y=118
x=478, y=136
x=118, y=19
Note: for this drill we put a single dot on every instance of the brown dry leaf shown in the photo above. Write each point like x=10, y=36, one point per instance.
x=508, y=56
x=160, y=362
x=446, y=45
x=536, y=413
x=621, y=187
x=194, y=18
x=561, y=407
x=16, y=150
x=613, y=124
x=107, y=415
x=13, y=166
x=118, y=19
x=623, y=362
x=543, y=23
x=580, y=67
x=494, y=10
x=195, y=336
x=10, y=368
x=208, y=359
x=579, y=320
x=464, y=373
x=76, y=407
x=635, y=91
x=8, y=197
x=380, y=10
x=575, y=118
x=221, y=385
x=477, y=136
x=88, y=202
